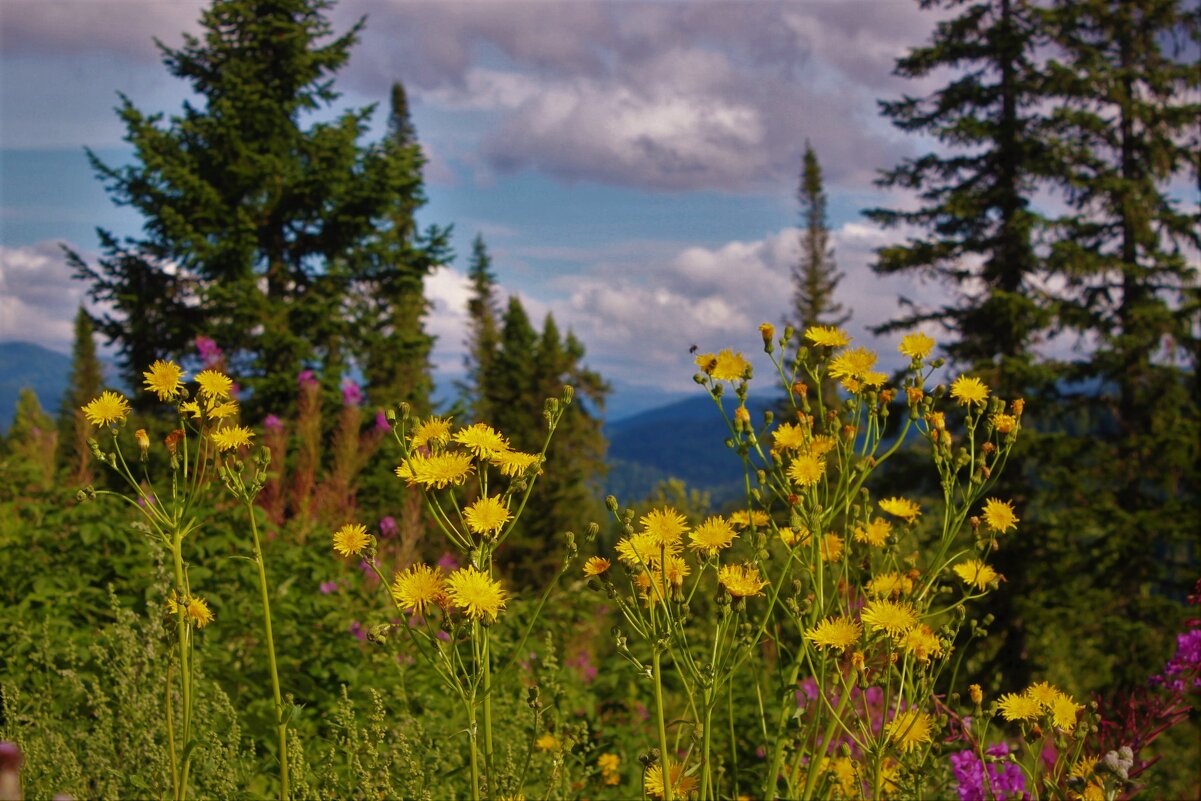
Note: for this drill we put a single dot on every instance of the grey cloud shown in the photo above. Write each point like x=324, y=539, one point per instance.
x=38, y=296
x=118, y=27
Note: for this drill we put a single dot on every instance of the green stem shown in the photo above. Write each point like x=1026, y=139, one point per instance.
x=475, y=760
x=487, y=660
x=280, y=720
x=171, y=732
x=659, y=721
x=706, y=768
x=185, y=671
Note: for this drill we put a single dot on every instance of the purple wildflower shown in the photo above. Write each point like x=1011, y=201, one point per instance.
x=306, y=379
x=381, y=422
x=356, y=628
x=388, y=527
x=1005, y=778
x=273, y=423
x=351, y=394
x=1186, y=662
x=447, y=562
x=328, y=586
x=210, y=354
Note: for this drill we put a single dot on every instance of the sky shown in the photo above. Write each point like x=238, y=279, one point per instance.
x=632, y=166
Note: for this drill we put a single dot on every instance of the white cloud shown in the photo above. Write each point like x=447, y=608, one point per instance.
x=38, y=296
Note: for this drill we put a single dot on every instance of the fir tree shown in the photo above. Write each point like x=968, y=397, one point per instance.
x=483, y=333
x=32, y=440
x=975, y=223
x=815, y=277
x=83, y=385
x=257, y=227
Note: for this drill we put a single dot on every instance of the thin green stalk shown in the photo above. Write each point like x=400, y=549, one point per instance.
x=171, y=731
x=487, y=660
x=185, y=671
x=659, y=721
x=281, y=721
x=706, y=767
x=475, y=759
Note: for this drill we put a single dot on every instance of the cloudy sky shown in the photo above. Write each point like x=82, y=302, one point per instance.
x=631, y=165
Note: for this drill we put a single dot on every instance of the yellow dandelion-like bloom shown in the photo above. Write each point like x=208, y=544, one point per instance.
x=976, y=573
x=596, y=565
x=514, y=463
x=487, y=515
x=1003, y=423
x=681, y=784
x=219, y=411
x=482, y=440
x=1019, y=707
x=909, y=729
x=431, y=431
x=968, y=389
x=790, y=536
x=351, y=539
x=675, y=569
x=832, y=547
x=164, y=379
x=610, y=765
x=838, y=633
x=230, y=437
x=1043, y=692
x=806, y=470
x=192, y=408
x=902, y=508
x=843, y=770
x=475, y=593
x=547, y=742
x=742, y=518
x=741, y=581
x=916, y=345
x=714, y=535
x=108, y=409
x=198, y=610
x=822, y=445
x=852, y=363
x=827, y=336
x=1064, y=711
x=874, y=378
x=437, y=471
x=789, y=437
x=922, y=643
x=417, y=587
x=214, y=385
x=874, y=533
x=666, y=525
x=999, y=515
x=706, y=362
x=895, y=617
x=729, y=366
x=645, y=549
x=889, y=584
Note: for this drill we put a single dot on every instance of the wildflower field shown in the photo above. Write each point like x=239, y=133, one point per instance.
x=215, y=615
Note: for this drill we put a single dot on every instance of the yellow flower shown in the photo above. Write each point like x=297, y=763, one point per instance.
x=645, y=549
x=143, y=439
x=827, y=336
x=219, y=411
x=729, y=366
x=714, y=535
x=666, y=525
x=192, y=408
x=901, y=507
x=514, y=463
x=976, y=573
x=681, y=785
x=1064, y=711
x=743, y=518
x=609, y=765
x=547, y=742
x=487, y=515
x=214, y=385
x=999, y=515
x=435, y=472
x=482, y=440
x=922, y=643
x=967, y=390
x=741, y=581
x=655, y=584
x=843, y=770
x=909, y=729
x=888, y=584
x=790, y=536
x=164, y=379
x=198, y=610
x=806, y=470
x=475, y=593
x=875, y=533
x=596, y=565
x=1004, y=423
x=1019, y=707
x=108, y=409
x=916, y=345
x=976, y=694
x=431, y=431
x=706, y=362
x=789, y=437
x=831, y=548
x=230, y=437
x=768, y=332
x=417, y=587
x=895, y=617
x=351, y=539
x=852, y=363
x=839, y=633
x=1043, y=692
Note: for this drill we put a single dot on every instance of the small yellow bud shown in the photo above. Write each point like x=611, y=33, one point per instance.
x=143, y=439
x=768, y=331
x=976, y=694
x=742, y=415
x=915, y=395
x=1018, y=406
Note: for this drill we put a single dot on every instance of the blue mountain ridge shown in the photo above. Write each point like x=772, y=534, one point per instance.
x=24, y=364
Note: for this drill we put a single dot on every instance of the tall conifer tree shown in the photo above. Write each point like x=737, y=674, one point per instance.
x=84, y=384
x=483, y=329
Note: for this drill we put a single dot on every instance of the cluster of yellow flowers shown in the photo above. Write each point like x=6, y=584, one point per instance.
x=1041, y=701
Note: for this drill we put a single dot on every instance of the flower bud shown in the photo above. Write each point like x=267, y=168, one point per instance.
x=768, y=331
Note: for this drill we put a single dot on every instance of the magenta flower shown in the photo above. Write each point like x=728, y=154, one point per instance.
x=210, y=354
x=273, y=423
x=388, y=527
x=306, y=379
x=447, y=563
x=351, y=394
x=381, y=422
x=328, y=586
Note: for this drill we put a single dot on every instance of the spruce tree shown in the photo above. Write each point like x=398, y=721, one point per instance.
x=975, y=221
x=815, y=277
x=483, y=331
x=84, y=384
x=258, y=224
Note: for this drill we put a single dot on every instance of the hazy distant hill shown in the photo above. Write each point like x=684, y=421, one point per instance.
x=23, y=364
x=684, y=440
